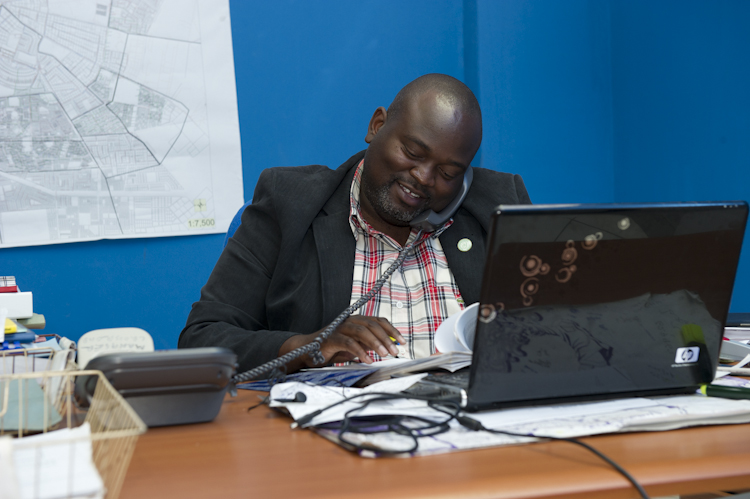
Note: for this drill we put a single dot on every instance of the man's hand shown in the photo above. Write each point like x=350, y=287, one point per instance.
x=350, y=340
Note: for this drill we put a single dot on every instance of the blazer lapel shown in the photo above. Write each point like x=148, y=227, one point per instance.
x=467, y=266
x=336, y=245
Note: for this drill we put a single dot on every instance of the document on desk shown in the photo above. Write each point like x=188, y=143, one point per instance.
x=384, y=369
x=730, y=380
x=319, y=397
x=36, y=357
x=350, y=374
x=323, y=377
x=8, y=481
x=57, y=464
x=560, y=420
x=450, y=361
x=625, y=415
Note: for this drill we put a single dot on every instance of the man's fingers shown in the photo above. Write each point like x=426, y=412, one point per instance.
x=389, y=336
x=392, y=331
x=341, y=357
x=372, y=332
x=339, y=343
x=371, y=336
x=357, y=334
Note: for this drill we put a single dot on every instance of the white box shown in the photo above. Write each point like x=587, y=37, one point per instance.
x=20, y=305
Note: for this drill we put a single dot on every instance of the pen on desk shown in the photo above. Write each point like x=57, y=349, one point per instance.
x=727, y=392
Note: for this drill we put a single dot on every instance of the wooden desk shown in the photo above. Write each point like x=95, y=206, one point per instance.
x=256, y=454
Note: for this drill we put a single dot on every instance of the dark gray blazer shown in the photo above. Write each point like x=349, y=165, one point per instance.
x=289, y=267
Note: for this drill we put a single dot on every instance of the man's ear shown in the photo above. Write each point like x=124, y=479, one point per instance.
x=376, y=123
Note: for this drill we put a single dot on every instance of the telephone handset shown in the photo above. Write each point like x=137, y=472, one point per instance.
x=429, y=221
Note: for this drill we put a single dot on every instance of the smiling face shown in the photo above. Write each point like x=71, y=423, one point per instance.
x=416, y=160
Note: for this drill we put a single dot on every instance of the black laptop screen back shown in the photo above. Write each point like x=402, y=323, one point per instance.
x=586, y=302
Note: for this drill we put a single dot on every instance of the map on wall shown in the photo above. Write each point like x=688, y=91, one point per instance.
x=118, y=119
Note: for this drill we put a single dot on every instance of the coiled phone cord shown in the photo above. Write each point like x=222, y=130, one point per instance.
x=313, y=348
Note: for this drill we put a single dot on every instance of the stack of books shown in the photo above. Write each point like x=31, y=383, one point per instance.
x=17, y=315
x=736, y=338
x=738, y=327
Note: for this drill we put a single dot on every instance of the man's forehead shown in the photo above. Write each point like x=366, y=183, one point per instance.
x=434, y=114
x=434, y=109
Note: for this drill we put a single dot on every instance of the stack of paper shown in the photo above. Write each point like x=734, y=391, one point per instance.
x=453, y=339
x=384, y=369
x=560, y=420
x=56, y=464
x=20, y=305
x=451, y=361
x=738, y=327
x=737, y=333
x=319, y=397
x=456, y=333
x=14, y=305
x=337, y=376
x=8, y=284
x=8, y=481
x=49, y=355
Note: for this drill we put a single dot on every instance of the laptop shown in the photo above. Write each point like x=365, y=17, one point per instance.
x=587, y=302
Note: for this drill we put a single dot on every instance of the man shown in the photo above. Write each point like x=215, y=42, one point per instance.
x=315, y=240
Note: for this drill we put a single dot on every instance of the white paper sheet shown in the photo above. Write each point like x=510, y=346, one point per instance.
x=8, y=482
x=528, y=415
x=562, y=420
x=319, y=397
x=57, y=464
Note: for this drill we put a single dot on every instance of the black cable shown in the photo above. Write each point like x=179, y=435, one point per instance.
x=392, y=424
x=313, y=348
x=475, y=425
x=465, y=421
x=379, y=396
x=263, y=400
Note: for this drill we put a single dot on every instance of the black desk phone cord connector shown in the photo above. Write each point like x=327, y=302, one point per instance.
x=313, y=348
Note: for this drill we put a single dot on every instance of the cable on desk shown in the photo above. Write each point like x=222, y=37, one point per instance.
x=411, y=427
x=453, y=411
x=374, y=397
x=475, y=425
x=263, y=400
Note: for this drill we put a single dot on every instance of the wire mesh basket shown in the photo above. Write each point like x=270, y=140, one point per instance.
x=25, y=360
x=98, y=423
x=39, y=356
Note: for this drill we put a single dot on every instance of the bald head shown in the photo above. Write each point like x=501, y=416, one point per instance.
x=450, y=91
x=419, y=151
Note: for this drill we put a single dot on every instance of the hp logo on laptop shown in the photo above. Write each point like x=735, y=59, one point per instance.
x=686, y=355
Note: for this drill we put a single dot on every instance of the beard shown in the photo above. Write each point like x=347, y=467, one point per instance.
x=382, y=202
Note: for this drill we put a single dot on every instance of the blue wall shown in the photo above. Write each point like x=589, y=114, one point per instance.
x=546, y=95
x=681, y=105
x=590, y=100
x=311, y=74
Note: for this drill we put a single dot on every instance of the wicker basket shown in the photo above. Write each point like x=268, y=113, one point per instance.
x=46, y=401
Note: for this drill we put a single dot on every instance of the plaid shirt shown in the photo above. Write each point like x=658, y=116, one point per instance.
x=418, y=297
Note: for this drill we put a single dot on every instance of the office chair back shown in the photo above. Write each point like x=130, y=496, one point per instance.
x=235, y=223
